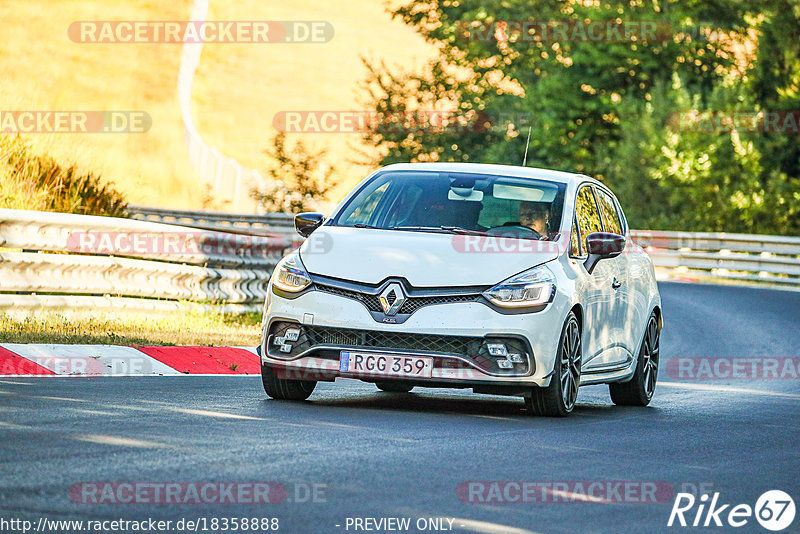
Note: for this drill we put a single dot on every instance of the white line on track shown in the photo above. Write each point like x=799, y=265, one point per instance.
x=495, y=417
x=119, y=441
x=126, y=407
x=486, y=527
x=729, y=389
x=209, y=413
x=91, y=412
x=3, y=424
x=341, y=425
x=66, y=399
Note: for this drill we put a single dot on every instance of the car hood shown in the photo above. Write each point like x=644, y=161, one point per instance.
x=424, y=259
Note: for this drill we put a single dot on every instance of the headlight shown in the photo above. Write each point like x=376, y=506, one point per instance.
x=533, y=287
x=290, y=275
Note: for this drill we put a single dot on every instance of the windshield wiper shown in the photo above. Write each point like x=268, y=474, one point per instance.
x=461, y=230
x=362, y=225
x=436, y=229
x=439, y=229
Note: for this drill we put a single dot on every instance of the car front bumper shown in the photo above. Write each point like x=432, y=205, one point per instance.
x=331, y=323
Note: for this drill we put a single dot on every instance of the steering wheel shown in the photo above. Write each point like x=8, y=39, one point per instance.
x=515, y=227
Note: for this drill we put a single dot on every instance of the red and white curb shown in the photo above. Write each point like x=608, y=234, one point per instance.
x=18, y=359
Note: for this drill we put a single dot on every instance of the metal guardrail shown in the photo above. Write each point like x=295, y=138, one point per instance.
x=270, y=224
x=56, y=260
x=707, y=256
x=763, y=259
x=132, y=264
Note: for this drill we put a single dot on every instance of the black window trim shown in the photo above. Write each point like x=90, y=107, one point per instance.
x=591, y=186
x=615, y=202
x=622, y=219
x=335, y=217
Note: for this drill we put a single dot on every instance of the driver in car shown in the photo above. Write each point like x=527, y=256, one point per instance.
x=535, y=216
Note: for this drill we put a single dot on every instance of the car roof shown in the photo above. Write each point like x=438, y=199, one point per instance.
x=569, y=178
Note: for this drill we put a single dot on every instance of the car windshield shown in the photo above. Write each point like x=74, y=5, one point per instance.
x=453, y=202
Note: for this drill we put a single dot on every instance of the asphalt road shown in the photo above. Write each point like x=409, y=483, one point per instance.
x=374, y=454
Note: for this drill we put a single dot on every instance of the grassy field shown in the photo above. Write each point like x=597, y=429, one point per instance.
x=194, y=329
x=238, y=88
x=44, y=70
x=32, y=181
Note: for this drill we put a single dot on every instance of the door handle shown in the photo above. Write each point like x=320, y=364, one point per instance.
x=616, y=284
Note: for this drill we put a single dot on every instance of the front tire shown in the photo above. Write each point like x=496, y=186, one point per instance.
x=558, y=399
x=285, y=389
x=394, y=386
x=639, y=390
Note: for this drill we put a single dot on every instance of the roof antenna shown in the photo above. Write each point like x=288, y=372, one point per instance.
x=525, y=157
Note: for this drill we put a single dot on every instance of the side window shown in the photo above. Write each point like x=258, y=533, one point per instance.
x=575, y=241
x=609, y=211
x=587, y=215
x=403, y=206
x=363, y=213
x=498, y=211
x=623, y=221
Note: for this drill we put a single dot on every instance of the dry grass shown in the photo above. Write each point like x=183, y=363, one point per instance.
x=44, y=70
x=264, y=80
x=238, y=88
x=38, y=182
x=196, y=329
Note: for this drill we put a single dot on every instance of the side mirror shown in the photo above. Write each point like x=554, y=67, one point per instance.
x=305, y=223
x=602, y=245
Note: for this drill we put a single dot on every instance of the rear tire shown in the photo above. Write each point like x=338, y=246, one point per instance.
x=285, y=389
x=639, y=390
x=394, y=386
x=558, y=399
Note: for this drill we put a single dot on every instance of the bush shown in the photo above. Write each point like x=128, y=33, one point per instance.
x=38, y=182
x=300, y=180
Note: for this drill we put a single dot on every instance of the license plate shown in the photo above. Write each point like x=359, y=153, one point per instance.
x=372, y=363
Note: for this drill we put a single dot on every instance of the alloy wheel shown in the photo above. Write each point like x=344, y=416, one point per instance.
x=650, y=356
x=570, y=364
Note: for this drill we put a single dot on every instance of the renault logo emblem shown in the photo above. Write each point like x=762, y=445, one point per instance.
x=392, y=298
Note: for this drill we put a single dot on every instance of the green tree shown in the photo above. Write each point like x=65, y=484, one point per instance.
x=300, y=178
x=604, y=108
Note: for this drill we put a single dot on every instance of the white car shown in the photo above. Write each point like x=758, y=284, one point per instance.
x=506, y=280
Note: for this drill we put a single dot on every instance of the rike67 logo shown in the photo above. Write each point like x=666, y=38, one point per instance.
x=774, y=510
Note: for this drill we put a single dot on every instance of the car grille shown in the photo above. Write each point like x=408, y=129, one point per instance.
x=372, y=302
x=472, y=349
x=391, y=340
x=412, y=304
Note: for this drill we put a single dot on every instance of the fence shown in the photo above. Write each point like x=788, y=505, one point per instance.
x=706, y=256
x=725, y=257
x=56, y=260
x=270, y=224
x=219, y=170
